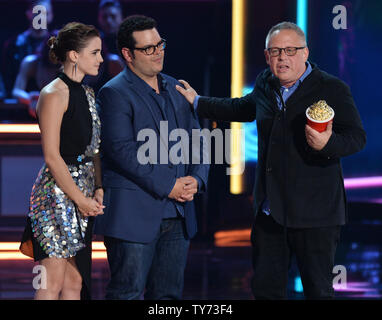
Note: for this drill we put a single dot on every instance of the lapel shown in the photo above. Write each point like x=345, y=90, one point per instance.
x=176, y=104
x=270, y=93
x=135, y=86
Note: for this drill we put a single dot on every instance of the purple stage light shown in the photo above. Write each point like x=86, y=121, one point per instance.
x=362, y=183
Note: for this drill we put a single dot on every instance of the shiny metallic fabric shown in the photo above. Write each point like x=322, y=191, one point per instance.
x=57, y=224
x=93, y=148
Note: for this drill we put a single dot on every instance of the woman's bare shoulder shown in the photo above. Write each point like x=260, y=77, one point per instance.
x=54, y=93
x=55, y=90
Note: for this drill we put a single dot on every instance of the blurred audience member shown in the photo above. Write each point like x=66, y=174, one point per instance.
x=26, y=43
x=109, y=18
x=36, y=71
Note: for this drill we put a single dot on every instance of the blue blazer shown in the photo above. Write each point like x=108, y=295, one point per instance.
x=135, y=193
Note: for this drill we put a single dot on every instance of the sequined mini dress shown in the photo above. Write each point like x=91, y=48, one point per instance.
x=55, y=227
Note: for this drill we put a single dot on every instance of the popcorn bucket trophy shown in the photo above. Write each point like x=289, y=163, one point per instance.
x=318, y=115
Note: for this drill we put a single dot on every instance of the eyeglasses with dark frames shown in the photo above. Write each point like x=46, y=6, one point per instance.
x=149, y=50
x=289, y=51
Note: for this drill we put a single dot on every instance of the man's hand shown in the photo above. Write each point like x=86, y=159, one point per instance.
x=184, y=189
x=177, y=190
x=318, y=140
x=190, y=188
x=189, y=93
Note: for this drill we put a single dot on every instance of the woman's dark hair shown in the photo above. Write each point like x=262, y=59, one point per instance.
x=132, y=23
x=41, y=51
x=73, y=36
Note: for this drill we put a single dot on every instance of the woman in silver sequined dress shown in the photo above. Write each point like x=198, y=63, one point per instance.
x=67, y=193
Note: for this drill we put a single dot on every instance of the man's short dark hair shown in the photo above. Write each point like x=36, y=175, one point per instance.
x=132, y=23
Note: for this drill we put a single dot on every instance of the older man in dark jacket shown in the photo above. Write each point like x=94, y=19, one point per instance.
x=299, y=195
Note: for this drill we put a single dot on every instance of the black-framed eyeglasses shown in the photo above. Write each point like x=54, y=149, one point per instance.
x=289, y=51
x=149, y=50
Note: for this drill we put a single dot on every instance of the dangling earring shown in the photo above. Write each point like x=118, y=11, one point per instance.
x=74, y=69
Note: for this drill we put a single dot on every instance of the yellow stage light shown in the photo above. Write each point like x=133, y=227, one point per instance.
x=237, y=84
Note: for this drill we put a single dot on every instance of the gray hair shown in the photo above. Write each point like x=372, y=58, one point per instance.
x=285, y=26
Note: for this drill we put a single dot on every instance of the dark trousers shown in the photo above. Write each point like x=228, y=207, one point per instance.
x=157, y=266
x=314, y=249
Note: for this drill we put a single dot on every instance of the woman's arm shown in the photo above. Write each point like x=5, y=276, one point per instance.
x=98, y=193
x=51, y=107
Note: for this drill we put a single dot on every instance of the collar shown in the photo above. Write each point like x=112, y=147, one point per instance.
x=306, y=73
x=162, y=83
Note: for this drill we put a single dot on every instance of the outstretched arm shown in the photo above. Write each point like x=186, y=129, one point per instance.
x=226, y=109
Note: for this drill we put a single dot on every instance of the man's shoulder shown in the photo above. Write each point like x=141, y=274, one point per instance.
x=116, y=83
x=264, y=75
x=329, y=80
x=169, y=79
x=262, y=79
x=325, y=76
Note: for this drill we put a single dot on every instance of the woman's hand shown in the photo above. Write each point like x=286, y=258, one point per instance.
x=98, y=196
x=90, y=207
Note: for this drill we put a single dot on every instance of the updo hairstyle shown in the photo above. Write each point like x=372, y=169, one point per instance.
x=73, y=36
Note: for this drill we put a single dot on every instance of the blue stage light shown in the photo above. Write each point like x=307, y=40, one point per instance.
x=302, y=15
x=298, y=285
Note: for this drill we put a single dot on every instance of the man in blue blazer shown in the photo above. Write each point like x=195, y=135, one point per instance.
x=149, y=189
